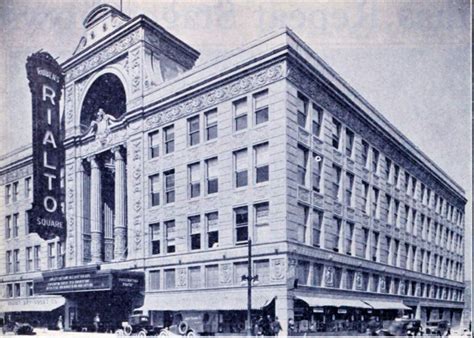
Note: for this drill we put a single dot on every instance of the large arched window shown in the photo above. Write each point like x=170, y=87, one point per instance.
x=108, y=93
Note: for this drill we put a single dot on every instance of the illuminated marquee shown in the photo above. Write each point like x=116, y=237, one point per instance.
x=46, y=81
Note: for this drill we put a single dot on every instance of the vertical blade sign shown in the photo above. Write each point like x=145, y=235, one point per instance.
x=46, y=81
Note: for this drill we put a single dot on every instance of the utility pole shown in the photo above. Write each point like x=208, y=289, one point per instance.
x=249, y=278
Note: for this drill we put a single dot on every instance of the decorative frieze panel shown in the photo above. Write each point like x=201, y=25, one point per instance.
x=104, y=55
x=181, y=277
x=16, y=174
x=277, y=268
x=224, y=93
x=70, y=214
x=69, y=106
x=107, y=140
x=225, y=274
x=135, y=203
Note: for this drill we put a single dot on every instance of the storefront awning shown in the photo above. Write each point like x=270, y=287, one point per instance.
x=316, y=301
x=205, y=301
x=32, y=304
x=386, y=305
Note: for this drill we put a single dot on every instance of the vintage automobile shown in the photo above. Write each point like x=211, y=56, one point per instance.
x=191, y=323
x=402, y=327
x=16, y=328
x=439, y=327
x=138, y=324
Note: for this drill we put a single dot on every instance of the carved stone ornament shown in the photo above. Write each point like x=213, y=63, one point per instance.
x=103, y=56
x=135, y=153
x=236, y=88
x=225, y=273
x=181, y=277
x=358, y=280
x=329, y=277
x=402, y=288
x=277, y=269
x=69, y=105
x=382, y=285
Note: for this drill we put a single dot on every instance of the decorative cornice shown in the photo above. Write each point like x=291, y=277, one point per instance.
x=227, y=92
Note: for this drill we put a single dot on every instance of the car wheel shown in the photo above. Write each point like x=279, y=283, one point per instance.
x=191, y=333
x=119, y=333
x=142, y=333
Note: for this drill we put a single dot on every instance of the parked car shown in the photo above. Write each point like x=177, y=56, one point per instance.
x=23, y=329
x=138, y=324
x=438, y=327
x=402, y=327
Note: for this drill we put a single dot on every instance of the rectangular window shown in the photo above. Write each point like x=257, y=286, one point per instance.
x=349, y=279
x=155, y=237
x=37, y=257
x=261, y=107
x=194, y=275
x=303, y=215
x=195, y=232
x=154, y=190
x=212, y=176
x=211, y=124
x=349, y=142
x=27, y=221
x=8, y=194
x=302, y=163
x=374, y=249
x=413, y=187
x=336, y=133
x=155, y=282
x=241, y=168
x=8, y=227
x=240, y=270
x=261, y=221
x=28, y=190
x=375, y=201
x=317, y=226
x=396, y=174
x=16, y=260
x=212, y=224
x=17, y=290
x=168, y=136
x=365, y=243
x=170, y=279
x=318, y=270
x=396, y=220
x=15, y=191
x=261, y=162
x=154, y=144
x=388, y=166
x=365, y=197
x=29, y=289
x=240, y=114
x=317, y=172
x=375, y=160
x=422, y=193
x=60, y=255
x=317, y=120
x=169, y=186
x=170, y=236
x=302, y=110
x=241, y=219
x=407, y=183
x=349, y=238
x=212, y=276
x=194, y=172
x=365, y=153
x=336, y=245
x=336, y=184
x=29, y=258
x=15, y=225
x=193, y=130
x=51, y=256
x=349, y=183
x=302, y=272
x=262, y=270
x=9, y=261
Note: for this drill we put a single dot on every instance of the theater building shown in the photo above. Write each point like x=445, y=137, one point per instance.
x=170, y=168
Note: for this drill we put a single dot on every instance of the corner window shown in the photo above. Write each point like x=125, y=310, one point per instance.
x=193, y=130
x=240, y=114
x=168, y=137
x=154, y=144
x=261, y=162
x=261, y=107
x=241, y=219
x=211, y=124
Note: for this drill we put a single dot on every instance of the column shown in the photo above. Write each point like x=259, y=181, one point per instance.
x=284, y=310
x=96, y=211
x=120, y=229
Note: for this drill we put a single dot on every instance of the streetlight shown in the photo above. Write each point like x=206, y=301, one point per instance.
x=249, y=278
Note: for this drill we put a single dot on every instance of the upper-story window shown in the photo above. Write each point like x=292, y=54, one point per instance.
x=195, y=232
x=29, y=289
x=261, y=162
x=194, y=180
x=9, y=261
x=15, y=225
x=28, y=190
x=365, y=197
x=240, y=114
x=375, y=202
x=154, y=143
x=241, y=168
x=413, y=187
x=337, y=240
x=388, y=168
x=193, y=130
x=170, y=236
x=317, y=226
x=8, y=193
x=51, y=256
x=168, y=137
x=15, y=191
x=349, y=183
x=154, y=190
x=241, y=219
x=302, y=110
x=8, y=227
x=317, y=121
x=169, y=186
x=302, y=164
x=211, y=124
x=422, y=193
x=261, y=220
x=317, y=172
x=37, y=257
x=336, y=133
x=212, y=176
x=349, y=142
x=303, y=216
x=375, y=160
x=29, y=258
x=396, y=174
x=407, y=182
x=349, y=238
x=261, y=107
x=336, y=183
x=155, y=238
x=365, y=153
x=212, y=224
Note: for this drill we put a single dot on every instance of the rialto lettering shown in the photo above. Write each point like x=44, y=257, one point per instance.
x=46, y=81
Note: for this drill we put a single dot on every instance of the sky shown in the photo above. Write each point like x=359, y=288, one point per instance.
x=410, y=59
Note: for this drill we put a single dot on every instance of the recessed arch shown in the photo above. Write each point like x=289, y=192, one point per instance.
x=106, y=91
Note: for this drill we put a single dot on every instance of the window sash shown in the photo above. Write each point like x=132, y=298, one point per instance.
x=262, y=213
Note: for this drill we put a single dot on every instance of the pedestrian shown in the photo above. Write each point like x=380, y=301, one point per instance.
x=59, y=324
x=96, y=322
x=276, y=327
x=291, y=326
